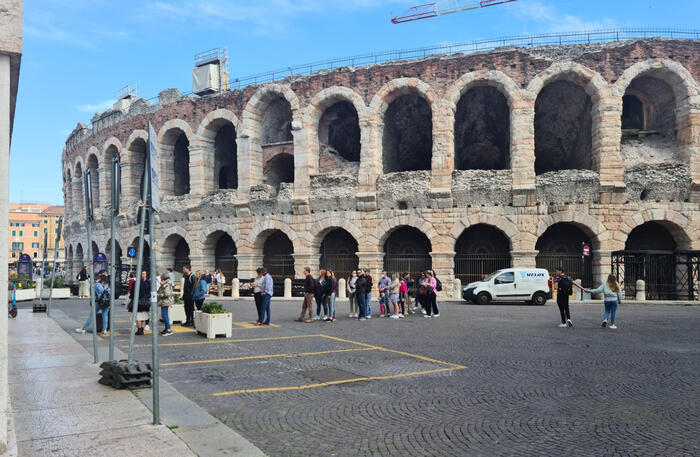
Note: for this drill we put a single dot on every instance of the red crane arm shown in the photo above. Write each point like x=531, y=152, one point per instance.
x=429, y=10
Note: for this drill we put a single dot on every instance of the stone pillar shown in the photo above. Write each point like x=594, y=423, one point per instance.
x=370, y=163
x=524, y=259
x=235, y=288
x=78, y=197
x=688, y=126
x=248, y=174
x=202, y=163
x=287, y=288
x=601, y=266
x=443, y=266
x=375, y=262
x=522, y=151
x=457, y=289
x=4, y=234
x=640, y=290
x=303, y=166
x=248, y=262
x=342, y=290
x=607, y=125
x=303, y=260
x=442, y=163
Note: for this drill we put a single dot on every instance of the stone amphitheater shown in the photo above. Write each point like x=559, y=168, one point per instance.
x=462, y=163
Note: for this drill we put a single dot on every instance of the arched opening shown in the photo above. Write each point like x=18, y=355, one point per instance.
x=407, y=141
x=276, y=126
x=279, y=169
x=649, y=122
x=79, y=260
x=68, y=194
x=338, y=136
x=220, y=246
x=137, y=156
x=339, y=252
x=112, y=152
x=560, y=246
x=278, y=256
x=78, y=198
x=93, y=167
x=652, y=254
x=225, y=157
x=177, y=249
x=175, y=163
x=563, y=128
x=70, y=269
x=482, y=130
x=481, y=250
x=407, y=249
x=146, y=266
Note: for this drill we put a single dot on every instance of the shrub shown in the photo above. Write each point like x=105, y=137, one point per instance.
x=213, y=308
x=177, y=299
x=58, y=282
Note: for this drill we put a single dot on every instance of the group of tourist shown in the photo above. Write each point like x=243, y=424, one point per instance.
x=396, y=295
x=612, y=297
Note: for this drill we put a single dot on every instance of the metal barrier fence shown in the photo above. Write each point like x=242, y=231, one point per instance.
x=570, y=263
x=413, y=264
x=279, y=266
x=472, y=267
x=342, y=265
x=667, y=275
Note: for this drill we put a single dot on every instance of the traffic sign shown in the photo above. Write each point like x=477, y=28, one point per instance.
x=586, y=250
x=131, y=252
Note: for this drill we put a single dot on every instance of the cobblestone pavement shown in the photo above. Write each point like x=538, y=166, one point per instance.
x=512, y=382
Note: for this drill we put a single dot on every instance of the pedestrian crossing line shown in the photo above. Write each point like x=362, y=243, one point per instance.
x=333, y=383
x=266, y=356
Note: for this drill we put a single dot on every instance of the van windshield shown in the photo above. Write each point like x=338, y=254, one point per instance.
x=491, y=276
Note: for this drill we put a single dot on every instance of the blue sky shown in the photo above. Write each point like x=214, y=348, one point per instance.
x=79, y=53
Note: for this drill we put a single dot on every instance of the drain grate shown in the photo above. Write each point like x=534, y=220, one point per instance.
x=329, y=375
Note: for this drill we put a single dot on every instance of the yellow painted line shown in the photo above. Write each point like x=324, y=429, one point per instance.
x=252, y=325
x=181, y=329
x=267, y=356
x=408, y=354
x=243, y=340
x=333, y=383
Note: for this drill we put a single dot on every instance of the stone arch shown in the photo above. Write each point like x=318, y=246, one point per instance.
x=135, y=163
x=493, y=78
x=175, y=143
x=212, y=121
x=92, y=163
x=678, y=77
x=175, y=251
x=221, y=246
x=677, y=224
x=321, y=228
x=217, y=137
x=481, y=249
x=111, y=141
x=405, y=220
x=592, y=82
x=111, y=148
x=591, y=226
x=509, y=229
x=261, y=230
x=320, y=103
x=175, y=230
x=252, y=132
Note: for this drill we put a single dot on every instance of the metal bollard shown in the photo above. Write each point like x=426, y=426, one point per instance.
x=640, y=288
x=236, y=288
x=287, y=288
x=458, y=289
x=342, y=291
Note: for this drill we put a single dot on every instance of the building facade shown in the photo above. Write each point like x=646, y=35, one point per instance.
x=28, y=222
x=461, y=163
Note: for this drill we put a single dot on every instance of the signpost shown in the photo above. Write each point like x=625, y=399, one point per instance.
x=91, y=273
x=116, y=179
x=55, y=262
x=155, y=206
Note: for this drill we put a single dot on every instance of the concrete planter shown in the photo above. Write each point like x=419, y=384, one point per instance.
x=176, y=313
x=57, y=293
x=213, y=324
x=22, y=295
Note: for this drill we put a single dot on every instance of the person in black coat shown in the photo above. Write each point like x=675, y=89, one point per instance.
x=361, y=288
x=187, y=295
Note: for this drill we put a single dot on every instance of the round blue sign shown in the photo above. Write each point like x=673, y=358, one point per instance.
x=131, y=252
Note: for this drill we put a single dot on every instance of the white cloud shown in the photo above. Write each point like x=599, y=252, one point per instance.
x=555, y=21
x=96, y=107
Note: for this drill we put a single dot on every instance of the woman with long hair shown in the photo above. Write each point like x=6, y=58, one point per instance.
x=199, y=291
x=612, y=296
x=331, y=294
x=321, y=298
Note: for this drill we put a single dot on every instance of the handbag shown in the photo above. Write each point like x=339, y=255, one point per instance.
x=144, y=306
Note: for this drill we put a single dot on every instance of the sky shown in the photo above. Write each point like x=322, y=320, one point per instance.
x=79, y=53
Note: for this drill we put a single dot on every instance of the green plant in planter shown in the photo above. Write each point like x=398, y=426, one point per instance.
x=177, y=300
x=58, y=282
x=214, y=308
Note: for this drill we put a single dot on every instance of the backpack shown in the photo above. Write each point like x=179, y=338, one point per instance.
x=438, y=285
x=103, y=300
x=565, y=285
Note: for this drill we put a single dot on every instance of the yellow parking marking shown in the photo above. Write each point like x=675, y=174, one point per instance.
x=408, y=354
x=243, y=340
x=267, y=356
x=333, y=383
x=252, y=325
x=181, y=329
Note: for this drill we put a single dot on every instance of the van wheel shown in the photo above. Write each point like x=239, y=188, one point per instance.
x=539, y=299
x=483, y=298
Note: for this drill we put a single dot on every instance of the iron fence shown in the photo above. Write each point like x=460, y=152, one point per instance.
x=413, y=264
x=667, y=275
x=342, y=264
x=571, y=264
x=279, y=266
x=472, y=267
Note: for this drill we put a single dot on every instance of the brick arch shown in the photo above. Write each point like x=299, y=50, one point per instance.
x=321, y=228
x=135, y=135
x=678, y=225
x=673, y=73
x=591, y=81
x=397, y=222
x=205, y=131
x=589, y=224
x=493, y=78
x=501, y=223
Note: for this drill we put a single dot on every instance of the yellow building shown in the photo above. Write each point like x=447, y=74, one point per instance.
x=28, y=221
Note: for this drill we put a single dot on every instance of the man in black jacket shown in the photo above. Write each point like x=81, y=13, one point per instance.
x=187, y=295
x=361, y=294
x=309, y=289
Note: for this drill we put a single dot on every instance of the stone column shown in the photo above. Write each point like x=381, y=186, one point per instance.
x=248, y=262
x=78, y=197
x=248, y=174
x=375, y=262
x=442, y=163
x=444, y=268
x=303, y=166
x=524, y=258
x=303, y=260
x=202, y=163
x=601, y=266
x=370, y=163
x=688, y=126
x=522, y=151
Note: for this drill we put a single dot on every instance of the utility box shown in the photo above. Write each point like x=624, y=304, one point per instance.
x=210, y=74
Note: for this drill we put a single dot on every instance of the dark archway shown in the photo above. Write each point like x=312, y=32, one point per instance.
x=650, y=236
x=94, y=168
x=632, y=113
x=276, y=126
x=649, y=104
x=182, y=166
x=339, y=131
x=175, y=163
x=225, y=256
x=563, y=128
x=561, y=246
x=279, y=169
x=407, y=141
x=482, y=130
x=339, y=252
x=481, y=250
x=407, y=249
x=137, y=157
x=226, y=158
x=278, y=256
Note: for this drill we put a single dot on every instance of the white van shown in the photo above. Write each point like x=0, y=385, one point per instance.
x=532, y=285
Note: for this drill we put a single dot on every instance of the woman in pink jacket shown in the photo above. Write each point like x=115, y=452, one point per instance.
x=431, y=298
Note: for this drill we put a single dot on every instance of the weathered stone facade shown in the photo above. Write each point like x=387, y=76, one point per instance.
x=594, y=190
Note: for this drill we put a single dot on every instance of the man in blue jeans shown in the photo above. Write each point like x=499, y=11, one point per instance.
x=368, y=300
x=361, y=294
x=101, y=287
x=266, y=295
